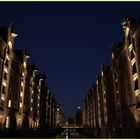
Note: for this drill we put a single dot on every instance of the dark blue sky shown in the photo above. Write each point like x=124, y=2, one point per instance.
x=68, y=41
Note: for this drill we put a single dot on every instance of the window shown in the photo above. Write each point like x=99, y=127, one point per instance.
x=6, y=63
x=132, y=55
x=138, y=105
x=136, y=85
x=134, y=69
x=129, y=40
x=3, y=89
x=8, y=50
x=5, y=76
x=133, y=42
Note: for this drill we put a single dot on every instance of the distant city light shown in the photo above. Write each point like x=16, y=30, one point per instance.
x=78, y=107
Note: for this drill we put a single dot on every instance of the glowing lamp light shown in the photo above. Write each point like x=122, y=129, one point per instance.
x=9, y=103
x=24, y=64
x=4, y=84
x=14, y=35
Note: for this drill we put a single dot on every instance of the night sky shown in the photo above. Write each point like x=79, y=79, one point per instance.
x=68, y=41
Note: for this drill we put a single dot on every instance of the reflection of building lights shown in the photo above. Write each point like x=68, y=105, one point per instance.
x=31, y=100
x=31, y=108
x=38, y=105
x=57, y=109
x=7, y=122
x=78, y=107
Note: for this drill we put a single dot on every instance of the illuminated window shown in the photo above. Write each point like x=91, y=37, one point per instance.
x=9, y=103
x=7, y=122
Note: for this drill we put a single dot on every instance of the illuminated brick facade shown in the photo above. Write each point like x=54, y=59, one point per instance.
x=116, y=95
x=24, y=99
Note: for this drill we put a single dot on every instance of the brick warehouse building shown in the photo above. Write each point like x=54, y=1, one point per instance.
x=25, y=101
x=116, y=94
